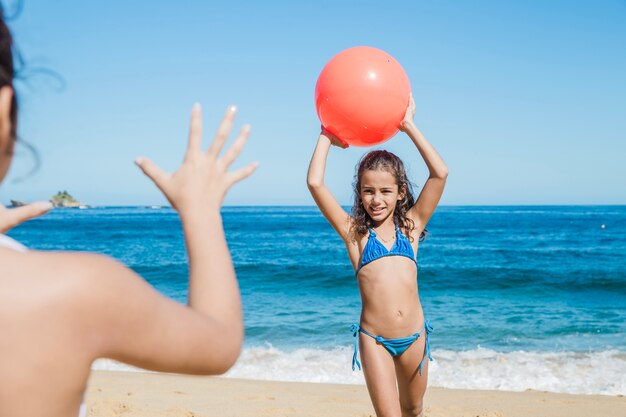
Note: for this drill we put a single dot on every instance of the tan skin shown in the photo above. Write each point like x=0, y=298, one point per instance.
x=389, y=292
x=61, y=311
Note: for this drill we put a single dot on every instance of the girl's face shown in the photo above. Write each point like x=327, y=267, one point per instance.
x=379, y=194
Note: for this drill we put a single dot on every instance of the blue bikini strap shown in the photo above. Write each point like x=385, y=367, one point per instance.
x=355, y=330
x=427, y=328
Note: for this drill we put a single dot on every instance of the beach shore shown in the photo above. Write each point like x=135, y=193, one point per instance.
x=142, y=394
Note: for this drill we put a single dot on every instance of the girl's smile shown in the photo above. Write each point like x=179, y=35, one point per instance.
x=379, y=194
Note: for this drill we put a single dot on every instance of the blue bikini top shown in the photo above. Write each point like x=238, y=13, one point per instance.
x=374, y=249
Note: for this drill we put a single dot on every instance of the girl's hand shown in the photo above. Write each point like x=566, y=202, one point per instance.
x=409, y=115
x=202, y=180
x=9, y=218
x=334, y=140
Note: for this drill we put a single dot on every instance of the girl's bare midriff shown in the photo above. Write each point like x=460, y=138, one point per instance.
x=390, y=302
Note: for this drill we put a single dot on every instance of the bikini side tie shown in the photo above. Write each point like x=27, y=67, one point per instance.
x=355, y=332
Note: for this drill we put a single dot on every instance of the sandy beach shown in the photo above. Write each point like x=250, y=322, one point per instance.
x=142, y=394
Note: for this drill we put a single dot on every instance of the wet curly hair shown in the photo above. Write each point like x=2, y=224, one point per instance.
x=387, y=161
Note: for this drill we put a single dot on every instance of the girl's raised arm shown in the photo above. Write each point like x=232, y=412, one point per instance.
x=431, y=193
x=146, y=329
x=339, y=219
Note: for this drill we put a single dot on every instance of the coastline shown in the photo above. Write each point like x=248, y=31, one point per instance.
x=147, y=394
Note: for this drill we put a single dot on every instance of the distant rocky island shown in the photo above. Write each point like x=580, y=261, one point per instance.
x=62, y=199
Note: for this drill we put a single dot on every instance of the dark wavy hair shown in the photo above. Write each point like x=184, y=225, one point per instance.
x=7, y=70
x=389, y=162
x=11, y=68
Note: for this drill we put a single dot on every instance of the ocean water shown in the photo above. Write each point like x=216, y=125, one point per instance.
x=520, y=297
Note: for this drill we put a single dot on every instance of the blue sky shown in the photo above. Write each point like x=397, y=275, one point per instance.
x=526, y=101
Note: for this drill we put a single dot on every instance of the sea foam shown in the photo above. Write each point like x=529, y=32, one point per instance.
x=565, y=372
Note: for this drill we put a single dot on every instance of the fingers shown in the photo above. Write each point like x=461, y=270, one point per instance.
x=152, y=171
x=223, y=131
x=338, y=142
x=334, y=140
x=341, y=143
x=409, y=114
x=242, y=173
x=195, y=130
x=237, y=146
x=30, y=211
x=13, y=217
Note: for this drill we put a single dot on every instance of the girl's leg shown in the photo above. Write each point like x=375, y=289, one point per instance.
x=412, y=385
x=380, y=376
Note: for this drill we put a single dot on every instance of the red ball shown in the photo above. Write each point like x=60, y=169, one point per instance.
x=362, y=95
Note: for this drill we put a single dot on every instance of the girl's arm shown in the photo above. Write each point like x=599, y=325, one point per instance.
x=432, y=190
x=152, y=331
x=339, y=219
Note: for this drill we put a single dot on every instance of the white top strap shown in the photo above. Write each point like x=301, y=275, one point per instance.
x=83, y=410
x=7, y=242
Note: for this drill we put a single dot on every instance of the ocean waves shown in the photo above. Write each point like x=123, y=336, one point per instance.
x=602, y=372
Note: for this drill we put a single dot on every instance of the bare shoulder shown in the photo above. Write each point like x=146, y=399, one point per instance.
x=75, y=270
x=84, y=283
x=101, y=308
x=65, y=296
x=81, y=282
x=61, y=268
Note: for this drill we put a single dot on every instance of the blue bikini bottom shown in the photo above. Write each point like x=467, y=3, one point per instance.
x=395, y=347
